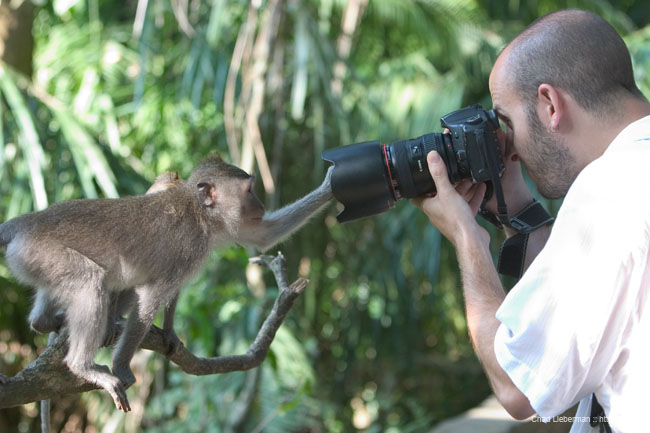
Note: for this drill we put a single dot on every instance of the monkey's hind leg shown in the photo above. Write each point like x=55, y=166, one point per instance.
x=87, y=315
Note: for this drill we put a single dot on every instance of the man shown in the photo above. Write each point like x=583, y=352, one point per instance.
x=577, y=323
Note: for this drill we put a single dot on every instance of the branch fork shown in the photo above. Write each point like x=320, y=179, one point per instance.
x=47, y=377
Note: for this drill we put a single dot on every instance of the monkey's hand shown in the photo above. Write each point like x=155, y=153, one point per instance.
x=113, y=330
x=171, y=340
x=3, y=379
x=326, y=186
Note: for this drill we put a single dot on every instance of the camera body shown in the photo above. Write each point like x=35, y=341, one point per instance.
x=369, y=178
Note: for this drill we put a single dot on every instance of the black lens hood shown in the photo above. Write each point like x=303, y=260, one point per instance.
x=360, y=180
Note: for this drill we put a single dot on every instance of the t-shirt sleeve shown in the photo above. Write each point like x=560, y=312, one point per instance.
x=562, y=325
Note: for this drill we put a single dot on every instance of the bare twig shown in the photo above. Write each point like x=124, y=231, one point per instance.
x=352, y=16
x=47, y=376
x=252, y=146
x=46, y=426
x=140, y=15
x=244, y=38
x=179, y=7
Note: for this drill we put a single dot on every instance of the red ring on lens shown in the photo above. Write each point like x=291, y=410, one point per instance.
x=390, y=175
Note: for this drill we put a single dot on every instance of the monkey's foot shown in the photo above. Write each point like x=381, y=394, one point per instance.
x=101, y=376
x=118, y=392
x=124, y=374
x=171, y=340
x=3, y=379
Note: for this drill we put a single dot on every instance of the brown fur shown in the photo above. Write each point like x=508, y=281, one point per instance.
x=78, y=254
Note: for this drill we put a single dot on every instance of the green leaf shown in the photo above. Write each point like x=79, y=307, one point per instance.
x=28, y=139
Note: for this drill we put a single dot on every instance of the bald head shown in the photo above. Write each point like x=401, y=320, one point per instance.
x=576, y=51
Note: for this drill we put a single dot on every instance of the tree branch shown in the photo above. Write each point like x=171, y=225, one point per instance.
x=48, y=377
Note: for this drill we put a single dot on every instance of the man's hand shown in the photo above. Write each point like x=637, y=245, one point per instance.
x=515, y=190
x=453, y=209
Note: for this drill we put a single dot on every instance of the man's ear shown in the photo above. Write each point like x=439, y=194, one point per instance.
x=551, y=106
x=207, y=193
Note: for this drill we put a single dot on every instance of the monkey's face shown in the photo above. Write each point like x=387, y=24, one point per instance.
x=231, y=201
x=252, y=210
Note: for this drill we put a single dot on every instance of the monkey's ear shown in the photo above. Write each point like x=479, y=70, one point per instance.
x=207, y=193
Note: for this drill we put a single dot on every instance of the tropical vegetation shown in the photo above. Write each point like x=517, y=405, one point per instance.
x=99, y=96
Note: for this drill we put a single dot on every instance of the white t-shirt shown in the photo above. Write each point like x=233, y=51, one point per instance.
x=578, y=322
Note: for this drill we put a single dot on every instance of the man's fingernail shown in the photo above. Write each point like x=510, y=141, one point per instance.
x=434, y=156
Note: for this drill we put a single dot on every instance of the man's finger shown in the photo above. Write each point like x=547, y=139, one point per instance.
x=438, y=171
x=477, y=198
x=464, y=188
x=417, y=201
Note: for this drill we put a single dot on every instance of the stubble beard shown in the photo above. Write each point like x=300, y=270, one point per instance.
x=549, y=163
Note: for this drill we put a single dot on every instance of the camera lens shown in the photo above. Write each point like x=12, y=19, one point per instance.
x=406, y=163
x=369, y=178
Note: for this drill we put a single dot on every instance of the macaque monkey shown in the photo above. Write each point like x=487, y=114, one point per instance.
x=45, y=317
x=81, y=255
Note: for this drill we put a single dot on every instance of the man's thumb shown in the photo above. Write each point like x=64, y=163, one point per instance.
x=438, y=171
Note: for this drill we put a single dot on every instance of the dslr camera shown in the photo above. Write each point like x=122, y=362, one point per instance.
x=368, y=177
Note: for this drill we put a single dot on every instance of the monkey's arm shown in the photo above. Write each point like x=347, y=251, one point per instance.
x=170, y=339
x=278, y=225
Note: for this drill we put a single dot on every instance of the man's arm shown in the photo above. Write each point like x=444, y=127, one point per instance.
x=453, y=213
x=483, y=296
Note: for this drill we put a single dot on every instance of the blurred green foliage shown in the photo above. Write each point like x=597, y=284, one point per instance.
x=122, y=91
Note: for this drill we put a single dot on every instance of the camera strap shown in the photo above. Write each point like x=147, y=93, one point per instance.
x=513, y=250
x=598, y=417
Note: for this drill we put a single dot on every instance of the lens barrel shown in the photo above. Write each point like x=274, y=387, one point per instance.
x=407, y=164
x=369, y=178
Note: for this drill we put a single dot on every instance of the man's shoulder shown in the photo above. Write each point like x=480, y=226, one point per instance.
x=621, y=174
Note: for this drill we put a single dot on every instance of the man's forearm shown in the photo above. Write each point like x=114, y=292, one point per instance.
x=483, y=295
